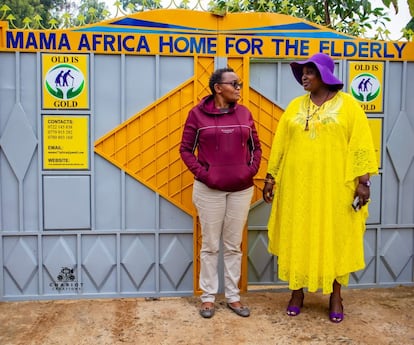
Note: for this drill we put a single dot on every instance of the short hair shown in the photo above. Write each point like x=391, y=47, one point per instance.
x=216, y=77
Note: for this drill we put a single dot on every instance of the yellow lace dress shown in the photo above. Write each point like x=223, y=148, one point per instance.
x=312, y=228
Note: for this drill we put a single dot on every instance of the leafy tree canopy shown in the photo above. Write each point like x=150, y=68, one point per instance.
x=45, y=14
x=348, y=16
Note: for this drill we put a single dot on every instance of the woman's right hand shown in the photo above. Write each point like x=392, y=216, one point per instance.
x=268, y=192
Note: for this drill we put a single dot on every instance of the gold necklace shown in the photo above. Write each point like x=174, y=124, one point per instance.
x=309, y=116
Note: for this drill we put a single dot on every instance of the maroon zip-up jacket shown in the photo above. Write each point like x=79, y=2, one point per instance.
x=227, y=145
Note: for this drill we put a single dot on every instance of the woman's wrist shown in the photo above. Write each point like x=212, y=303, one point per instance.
x=364, y=180
x=269, y=179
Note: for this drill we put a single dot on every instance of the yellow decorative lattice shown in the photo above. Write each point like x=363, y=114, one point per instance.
x=146, y=146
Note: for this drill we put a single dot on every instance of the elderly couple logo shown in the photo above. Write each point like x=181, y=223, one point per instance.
x=365, y=87
x=64, y=81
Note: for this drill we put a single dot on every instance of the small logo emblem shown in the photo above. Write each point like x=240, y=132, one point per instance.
x=66, y=281
x=64, y=81
x=66, y=275
x=365, y=87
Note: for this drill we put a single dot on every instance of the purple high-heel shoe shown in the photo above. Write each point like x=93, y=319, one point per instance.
x=335, y=317
x=293, y=310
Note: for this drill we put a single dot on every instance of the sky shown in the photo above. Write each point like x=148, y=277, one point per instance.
x=398, y=21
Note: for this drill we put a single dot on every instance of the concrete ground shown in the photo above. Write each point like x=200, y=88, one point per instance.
x=372, y=316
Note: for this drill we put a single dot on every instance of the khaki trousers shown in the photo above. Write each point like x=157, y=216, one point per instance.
x=222, y=215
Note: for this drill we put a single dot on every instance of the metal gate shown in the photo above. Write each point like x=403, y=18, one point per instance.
x=123, y=224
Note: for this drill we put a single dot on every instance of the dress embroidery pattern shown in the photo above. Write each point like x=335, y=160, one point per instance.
x=322, y=115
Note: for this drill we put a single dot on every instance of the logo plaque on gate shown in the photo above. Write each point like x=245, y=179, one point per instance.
x=65, y=81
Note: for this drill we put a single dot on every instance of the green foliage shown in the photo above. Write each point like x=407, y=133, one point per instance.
x=411, y=7
x=91, y=11
x=139, y=5
x=347, y=16
x=52, y=14
x=28, y=13
x=409, y=30
x=351, y=17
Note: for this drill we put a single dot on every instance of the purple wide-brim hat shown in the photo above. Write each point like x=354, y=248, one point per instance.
x=324, y=64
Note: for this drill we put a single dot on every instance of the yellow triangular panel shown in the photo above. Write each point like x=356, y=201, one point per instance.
x=147, y=146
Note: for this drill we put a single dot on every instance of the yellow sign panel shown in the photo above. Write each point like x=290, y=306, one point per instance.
x=366, y=84
x=65, y=81
x=65, y=142
x=376, y=129
x=162, y=32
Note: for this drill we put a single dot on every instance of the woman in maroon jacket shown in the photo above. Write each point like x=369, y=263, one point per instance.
x=228, y=157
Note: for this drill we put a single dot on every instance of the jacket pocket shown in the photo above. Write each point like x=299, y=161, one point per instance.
x=229, y=177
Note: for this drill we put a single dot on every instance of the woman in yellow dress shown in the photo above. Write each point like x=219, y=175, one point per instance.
x=321, y=159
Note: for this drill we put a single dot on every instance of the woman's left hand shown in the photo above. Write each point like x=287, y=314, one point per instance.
x=363, y=192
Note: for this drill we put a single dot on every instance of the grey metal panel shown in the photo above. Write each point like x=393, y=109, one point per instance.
x=140, y=206
x=263, y=77
x=261, y=265
x=396, y=255
x=67, y=202
x=392, y=90
x=375, y=204
x=31, y=221
x=107, y=195
x=399, y=141
x=367, y=276
x=28, y=88
x=138, y=263
x=99, y=262
x=107, y=93
x=9, y=202
x=173, y=72
x=20, y=258
x=60, y=268
x=18, y=140
x=8, y=87
x=176, y=263
x=140, y=83
x=390, y=197
x=407, y=207
x=171, y=217
x=259, y=213
x=409, y=99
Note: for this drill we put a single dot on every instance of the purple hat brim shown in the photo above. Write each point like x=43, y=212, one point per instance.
x=326, y=75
